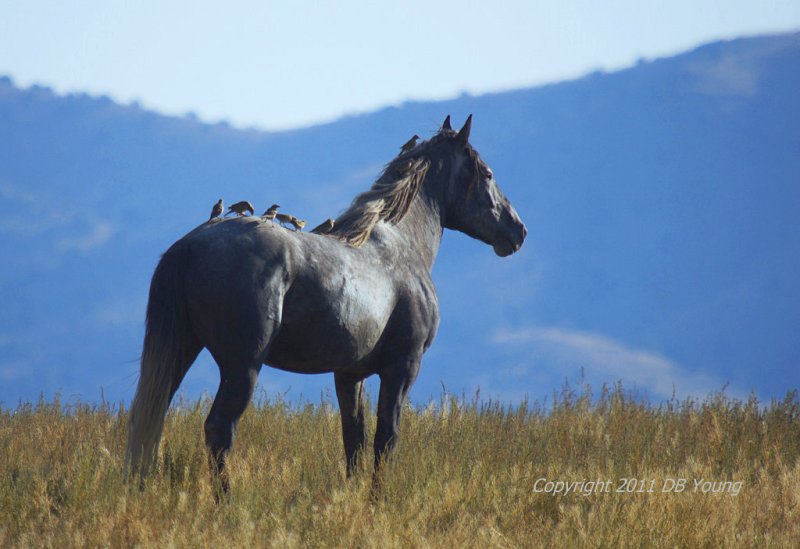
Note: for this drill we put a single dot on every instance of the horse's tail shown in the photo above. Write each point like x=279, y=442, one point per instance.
x=169, y=349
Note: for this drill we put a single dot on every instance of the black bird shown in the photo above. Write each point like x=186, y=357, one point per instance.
x=270, y=213
x=240, y=208
x=324, y=228
x=216, y=211
x=410, y=144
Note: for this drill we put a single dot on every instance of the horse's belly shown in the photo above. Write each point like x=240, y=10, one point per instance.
x=339, y=337
x=318, y=347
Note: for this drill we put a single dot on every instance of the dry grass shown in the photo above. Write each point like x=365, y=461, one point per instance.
x=463, y=476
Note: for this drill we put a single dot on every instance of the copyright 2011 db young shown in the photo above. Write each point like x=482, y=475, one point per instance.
x=632, y=485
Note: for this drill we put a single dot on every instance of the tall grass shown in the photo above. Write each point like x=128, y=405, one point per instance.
x=463, y=474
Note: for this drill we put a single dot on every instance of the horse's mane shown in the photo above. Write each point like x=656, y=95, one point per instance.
x=388, y=199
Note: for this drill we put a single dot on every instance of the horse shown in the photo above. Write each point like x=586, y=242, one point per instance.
x=357, y=301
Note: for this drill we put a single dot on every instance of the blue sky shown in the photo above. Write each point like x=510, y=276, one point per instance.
x=276, y=65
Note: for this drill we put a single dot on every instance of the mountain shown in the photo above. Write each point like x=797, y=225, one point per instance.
x=661, y=203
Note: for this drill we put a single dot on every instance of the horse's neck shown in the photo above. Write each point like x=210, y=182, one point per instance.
x=422, y=225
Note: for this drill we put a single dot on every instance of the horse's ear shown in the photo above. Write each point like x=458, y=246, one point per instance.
x=463, y=134
x=446, y=124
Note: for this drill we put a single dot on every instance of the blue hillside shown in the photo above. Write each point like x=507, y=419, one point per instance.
x=661, y=203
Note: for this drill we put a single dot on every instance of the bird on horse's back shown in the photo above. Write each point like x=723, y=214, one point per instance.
x=355, y=302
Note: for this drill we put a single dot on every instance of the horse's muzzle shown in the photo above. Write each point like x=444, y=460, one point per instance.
x=511, y=242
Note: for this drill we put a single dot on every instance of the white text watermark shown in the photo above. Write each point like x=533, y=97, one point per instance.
x=624, y=485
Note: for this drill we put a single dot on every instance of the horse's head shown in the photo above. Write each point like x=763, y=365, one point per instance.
x=474, y=204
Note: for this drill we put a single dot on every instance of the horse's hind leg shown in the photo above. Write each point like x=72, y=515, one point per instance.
x=350, y=392
x=234, y=394
x=239, y=346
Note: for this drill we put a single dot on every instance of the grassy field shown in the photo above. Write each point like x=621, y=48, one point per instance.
x=464, y=475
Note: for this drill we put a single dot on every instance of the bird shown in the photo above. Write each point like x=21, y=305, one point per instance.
x=240, y=208
x=324, y=228
x=283, y=218
x=217, y=210
x=286, y=218
x=269, y=215
x=410, y=144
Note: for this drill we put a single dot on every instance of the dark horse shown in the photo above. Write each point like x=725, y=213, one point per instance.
x=357, y=301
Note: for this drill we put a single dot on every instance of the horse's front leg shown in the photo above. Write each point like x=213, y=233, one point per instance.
x=395, y=383
x=350, y=392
